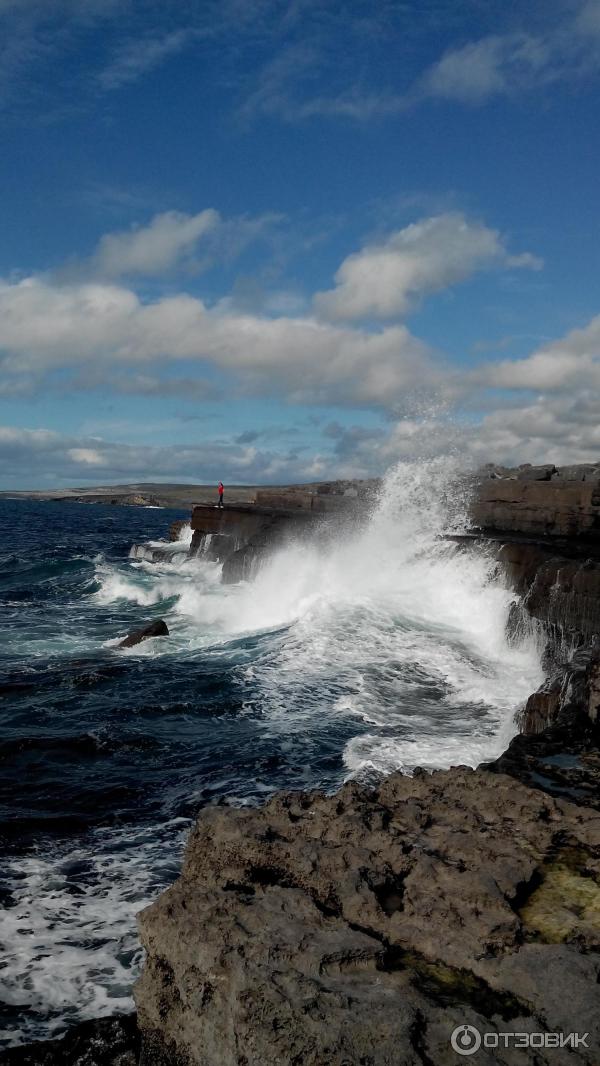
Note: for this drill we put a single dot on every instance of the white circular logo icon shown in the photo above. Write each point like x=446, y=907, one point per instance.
x=465, y=1040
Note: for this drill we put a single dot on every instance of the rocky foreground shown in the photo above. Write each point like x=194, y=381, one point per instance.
x=365, y=927
x=362, y=929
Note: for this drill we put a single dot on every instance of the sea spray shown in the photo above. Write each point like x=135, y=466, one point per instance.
x=392, y=623
x=382, y=649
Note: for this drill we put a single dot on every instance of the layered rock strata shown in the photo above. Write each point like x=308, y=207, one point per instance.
x=540, y=501
x=242, y=536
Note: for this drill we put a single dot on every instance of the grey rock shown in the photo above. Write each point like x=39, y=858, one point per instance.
x=581, y=472
x=536, y=473
x=362, y=927
x=527, y=506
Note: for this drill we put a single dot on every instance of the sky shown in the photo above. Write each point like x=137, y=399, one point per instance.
x=267, y=242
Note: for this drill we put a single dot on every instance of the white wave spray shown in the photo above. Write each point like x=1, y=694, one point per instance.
x=393, y=624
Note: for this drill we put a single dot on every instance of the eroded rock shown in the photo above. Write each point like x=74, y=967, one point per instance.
x=363, y=927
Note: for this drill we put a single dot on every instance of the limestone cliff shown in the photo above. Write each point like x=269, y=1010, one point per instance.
x=362, y=928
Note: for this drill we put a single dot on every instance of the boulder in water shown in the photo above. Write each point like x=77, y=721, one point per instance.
x=155, y=629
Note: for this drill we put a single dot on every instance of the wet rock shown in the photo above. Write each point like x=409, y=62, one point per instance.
x=176, y=528
x=216, y=547
x=243, y=564
x=542, y=707
x=558, y=748
x=560, y=592
x=158, y=628
x=102, y=1042
x=570, y=695
x=363, y=927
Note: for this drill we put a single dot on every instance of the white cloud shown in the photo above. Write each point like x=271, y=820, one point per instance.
x=488, y=67
x=570, y=363
x=171, y=241
x=97, y=328
x=154, y=248
x=384, y=280
x=472, y=72
x=87, y=456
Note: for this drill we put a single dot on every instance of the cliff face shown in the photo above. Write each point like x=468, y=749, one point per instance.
x=547, y=523
x=541, y=501
x=242, y=536
x=363, y=928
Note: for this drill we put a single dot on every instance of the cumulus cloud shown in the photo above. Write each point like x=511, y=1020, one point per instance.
x=384, y=280
x=99, y=327
x=572, y=362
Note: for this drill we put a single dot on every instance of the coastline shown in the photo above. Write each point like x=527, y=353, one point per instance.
x=251, y=869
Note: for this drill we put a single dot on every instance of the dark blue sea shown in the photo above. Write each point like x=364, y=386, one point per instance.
x=384, y=651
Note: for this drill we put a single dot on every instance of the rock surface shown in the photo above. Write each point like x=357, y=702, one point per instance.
x=558, y=746
x=158, y=628
x=176, y=527
x=363, y=928
x=540, y=501
x=242, y=536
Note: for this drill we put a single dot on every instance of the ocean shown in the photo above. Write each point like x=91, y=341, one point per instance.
x=385, y=650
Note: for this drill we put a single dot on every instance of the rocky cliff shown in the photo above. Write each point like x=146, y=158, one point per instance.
x=545, y=501
x=546, y=522
x=362, y=929
x=242, y=536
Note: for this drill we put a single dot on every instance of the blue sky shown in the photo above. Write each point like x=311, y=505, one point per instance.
x=266, y=242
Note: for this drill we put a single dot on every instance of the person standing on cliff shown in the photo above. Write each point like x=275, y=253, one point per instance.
x=220, y=490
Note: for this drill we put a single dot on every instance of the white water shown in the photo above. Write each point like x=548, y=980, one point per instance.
x=387, y=649
x=70, y=947
x=392, y=624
